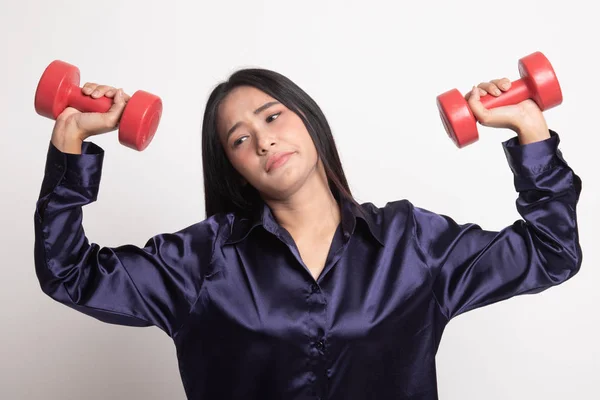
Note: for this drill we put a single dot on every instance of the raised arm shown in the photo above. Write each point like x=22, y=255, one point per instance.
x=473, y=267
x=127, y=285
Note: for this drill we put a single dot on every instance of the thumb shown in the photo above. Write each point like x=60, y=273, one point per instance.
x=114, y=113
x=482, y=114
x=498, y=117
x=66, y=113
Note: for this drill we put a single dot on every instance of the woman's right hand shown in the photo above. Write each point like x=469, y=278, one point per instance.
x=72, y=127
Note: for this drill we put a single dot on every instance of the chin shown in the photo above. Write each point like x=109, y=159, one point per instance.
x=284, y=185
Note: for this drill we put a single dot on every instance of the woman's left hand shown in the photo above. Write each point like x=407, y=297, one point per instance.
x=525, y=118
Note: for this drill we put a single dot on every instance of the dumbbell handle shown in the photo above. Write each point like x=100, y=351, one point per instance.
x=85, y=103
x=517, y=93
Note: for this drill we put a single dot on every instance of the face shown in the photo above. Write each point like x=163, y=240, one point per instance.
x=267, y=143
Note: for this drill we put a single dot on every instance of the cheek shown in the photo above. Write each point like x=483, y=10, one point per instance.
x=243, y=163
x=298, y=134
x=307, y=144
x=238, y=161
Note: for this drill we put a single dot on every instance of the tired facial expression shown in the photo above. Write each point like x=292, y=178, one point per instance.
x=267, y=143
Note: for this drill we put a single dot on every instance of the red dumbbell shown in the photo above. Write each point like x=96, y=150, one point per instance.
x=538, y=82
x=58, y=89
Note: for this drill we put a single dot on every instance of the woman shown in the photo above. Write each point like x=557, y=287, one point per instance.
x=289, y=289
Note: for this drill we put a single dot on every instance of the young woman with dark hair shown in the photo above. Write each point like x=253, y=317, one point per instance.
x=290, y=289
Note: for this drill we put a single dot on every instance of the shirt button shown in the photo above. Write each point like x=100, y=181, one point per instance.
x=315, y=288
x=320, y=345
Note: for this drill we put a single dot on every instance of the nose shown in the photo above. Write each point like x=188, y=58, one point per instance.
x=265, y=140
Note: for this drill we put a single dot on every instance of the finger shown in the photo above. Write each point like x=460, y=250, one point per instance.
x=113, y=91
x=503, y=83
x=490, y=87
x=482, y=92
x=101, y=90
x=89, y=87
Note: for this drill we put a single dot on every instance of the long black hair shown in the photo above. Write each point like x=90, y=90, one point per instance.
x=224, y=191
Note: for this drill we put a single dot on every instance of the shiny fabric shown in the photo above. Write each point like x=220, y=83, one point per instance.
x=249, y=321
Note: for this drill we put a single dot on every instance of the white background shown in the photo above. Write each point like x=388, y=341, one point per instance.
x=375, y=68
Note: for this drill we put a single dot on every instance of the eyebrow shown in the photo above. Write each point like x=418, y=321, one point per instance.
x=257, y=111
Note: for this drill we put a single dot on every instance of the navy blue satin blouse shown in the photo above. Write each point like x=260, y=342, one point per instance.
x=249, y=321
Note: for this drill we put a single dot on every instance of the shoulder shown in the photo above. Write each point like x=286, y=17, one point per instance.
x=392, y=210
x=404, y=212
x=392, y=219
x=206, y=231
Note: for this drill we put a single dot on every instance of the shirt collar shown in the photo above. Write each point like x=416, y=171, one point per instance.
x=351, y=215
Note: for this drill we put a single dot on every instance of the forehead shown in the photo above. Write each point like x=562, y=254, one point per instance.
x=241, y=101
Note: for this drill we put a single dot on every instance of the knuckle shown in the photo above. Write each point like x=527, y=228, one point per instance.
x=494, y=89
x=487, y=86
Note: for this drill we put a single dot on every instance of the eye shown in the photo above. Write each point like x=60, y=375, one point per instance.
x=239, y=141
x=269, y=119
x=273, y=115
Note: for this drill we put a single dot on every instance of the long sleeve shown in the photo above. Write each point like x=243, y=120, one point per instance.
x=472, y=267
x=127, y=285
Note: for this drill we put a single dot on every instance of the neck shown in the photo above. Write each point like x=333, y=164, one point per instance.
x=311, y=210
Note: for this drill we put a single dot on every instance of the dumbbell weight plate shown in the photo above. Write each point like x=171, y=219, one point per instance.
x=460, y=124
x=52, y=92
x=140, y=119
x=537, y=72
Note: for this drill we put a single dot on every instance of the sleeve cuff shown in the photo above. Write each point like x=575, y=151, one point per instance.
x=532, y=158
x=83, y=169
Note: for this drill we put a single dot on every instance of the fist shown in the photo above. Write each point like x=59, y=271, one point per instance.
x=74, y=123
x=525, y=118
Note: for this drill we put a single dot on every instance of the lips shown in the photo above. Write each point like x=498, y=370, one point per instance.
x=277, y=160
